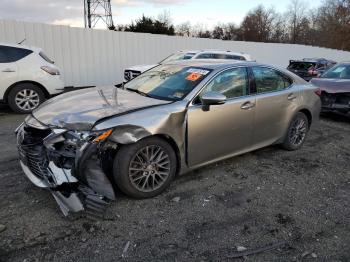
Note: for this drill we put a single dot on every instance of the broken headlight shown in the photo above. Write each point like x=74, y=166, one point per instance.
x=65, y=145
x=88, y=136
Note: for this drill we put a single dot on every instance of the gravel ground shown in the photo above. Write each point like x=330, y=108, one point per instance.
x=258, y=199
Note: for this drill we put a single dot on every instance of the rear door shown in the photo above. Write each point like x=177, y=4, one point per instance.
x=223, y=129
x=276, y=100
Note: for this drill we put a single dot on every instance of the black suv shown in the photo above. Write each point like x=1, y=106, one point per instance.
x=308, y=68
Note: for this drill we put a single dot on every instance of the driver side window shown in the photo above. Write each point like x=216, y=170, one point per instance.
x=232, y=83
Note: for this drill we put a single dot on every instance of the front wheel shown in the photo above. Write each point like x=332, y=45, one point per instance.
x=297, y=131
x=146, y=168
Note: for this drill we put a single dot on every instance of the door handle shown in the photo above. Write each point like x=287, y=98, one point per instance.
x=8, y=70
x=291, y=97
x=247, y=105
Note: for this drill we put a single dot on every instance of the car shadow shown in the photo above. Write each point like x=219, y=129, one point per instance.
x=336, y=117
x=5, y=110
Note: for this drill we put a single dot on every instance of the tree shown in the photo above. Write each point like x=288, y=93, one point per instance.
x=165, y=18
x=327, y=26
x=333, y=23
x=201, y=31
x=218, y=32
x=257, y=25
x=148, y=25
x=204, y=34
x=184, y=29
x=230, y=32
x=279, y=33
x=297, y=20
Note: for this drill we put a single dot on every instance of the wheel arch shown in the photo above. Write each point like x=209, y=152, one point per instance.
x=8, y=90
x=175, y=147
x=308, y=114
x=143, y=135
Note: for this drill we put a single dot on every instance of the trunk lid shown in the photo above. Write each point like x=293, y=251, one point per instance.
x=332, y=85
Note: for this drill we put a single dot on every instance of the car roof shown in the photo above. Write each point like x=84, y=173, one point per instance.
x=224, y=52
x=221, y=64
x=211, y=63
x=35, y=49
x=187, y=51
x=214, y=51
x=312, y=60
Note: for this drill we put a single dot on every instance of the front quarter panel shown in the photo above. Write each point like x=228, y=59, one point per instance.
x=168, y=120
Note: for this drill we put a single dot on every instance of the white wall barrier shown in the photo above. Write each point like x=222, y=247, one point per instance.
x=98, y=57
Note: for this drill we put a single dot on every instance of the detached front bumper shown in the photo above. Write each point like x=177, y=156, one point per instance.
x=70, y=203
x=75, y=178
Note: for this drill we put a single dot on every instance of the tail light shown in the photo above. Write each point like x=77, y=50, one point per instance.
x=318, y=92
x=51, y=70
x=312, y=71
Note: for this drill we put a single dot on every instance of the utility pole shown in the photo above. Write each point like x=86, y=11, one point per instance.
x=98, y=11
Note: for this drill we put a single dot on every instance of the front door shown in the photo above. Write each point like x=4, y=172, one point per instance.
x=8, y=71
x=224, y=129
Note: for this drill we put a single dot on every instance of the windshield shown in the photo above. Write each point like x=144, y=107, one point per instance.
x=168, y=82
x=178, y=56
x=338, y=71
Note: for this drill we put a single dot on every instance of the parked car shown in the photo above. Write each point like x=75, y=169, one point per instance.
x=309, y=68
x=27, y=77
x=335, y=87
x=135, y=71
x=171, y=119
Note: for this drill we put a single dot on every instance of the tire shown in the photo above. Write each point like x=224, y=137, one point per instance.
x=24, y=98
x=297, y=132
x=134, y=175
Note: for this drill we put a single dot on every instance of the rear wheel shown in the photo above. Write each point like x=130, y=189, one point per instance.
x=24, y=98
x=297, y=132
x=146, y=168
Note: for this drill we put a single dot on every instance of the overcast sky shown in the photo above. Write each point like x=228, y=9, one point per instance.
x=205, y=12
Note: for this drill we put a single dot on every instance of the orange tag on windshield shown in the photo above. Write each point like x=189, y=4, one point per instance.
x=193, y=77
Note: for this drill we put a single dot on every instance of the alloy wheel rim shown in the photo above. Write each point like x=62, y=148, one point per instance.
x=27, y=99
x=149, y=168
x=298, y=132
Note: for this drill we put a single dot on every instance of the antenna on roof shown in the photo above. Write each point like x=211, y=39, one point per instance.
x=22, y=41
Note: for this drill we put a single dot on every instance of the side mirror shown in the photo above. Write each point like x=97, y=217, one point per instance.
x=212, y=98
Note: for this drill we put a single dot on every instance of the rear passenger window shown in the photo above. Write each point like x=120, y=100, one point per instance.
x=270, y=80
x=235, y=57
x=3, y=56
x=205, y=56
x=231, y=83
x=12, y=54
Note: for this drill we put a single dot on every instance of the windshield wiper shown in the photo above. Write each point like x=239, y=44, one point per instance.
x=139, y=92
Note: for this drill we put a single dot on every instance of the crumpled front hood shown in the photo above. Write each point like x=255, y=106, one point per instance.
x=332, y=85
x=79, y=110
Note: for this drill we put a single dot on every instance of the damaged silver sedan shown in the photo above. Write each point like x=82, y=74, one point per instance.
x=174, y=118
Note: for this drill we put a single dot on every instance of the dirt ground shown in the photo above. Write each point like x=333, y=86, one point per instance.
x=255, y=200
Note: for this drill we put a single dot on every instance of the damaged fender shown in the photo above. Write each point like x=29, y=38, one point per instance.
x=170, y=121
